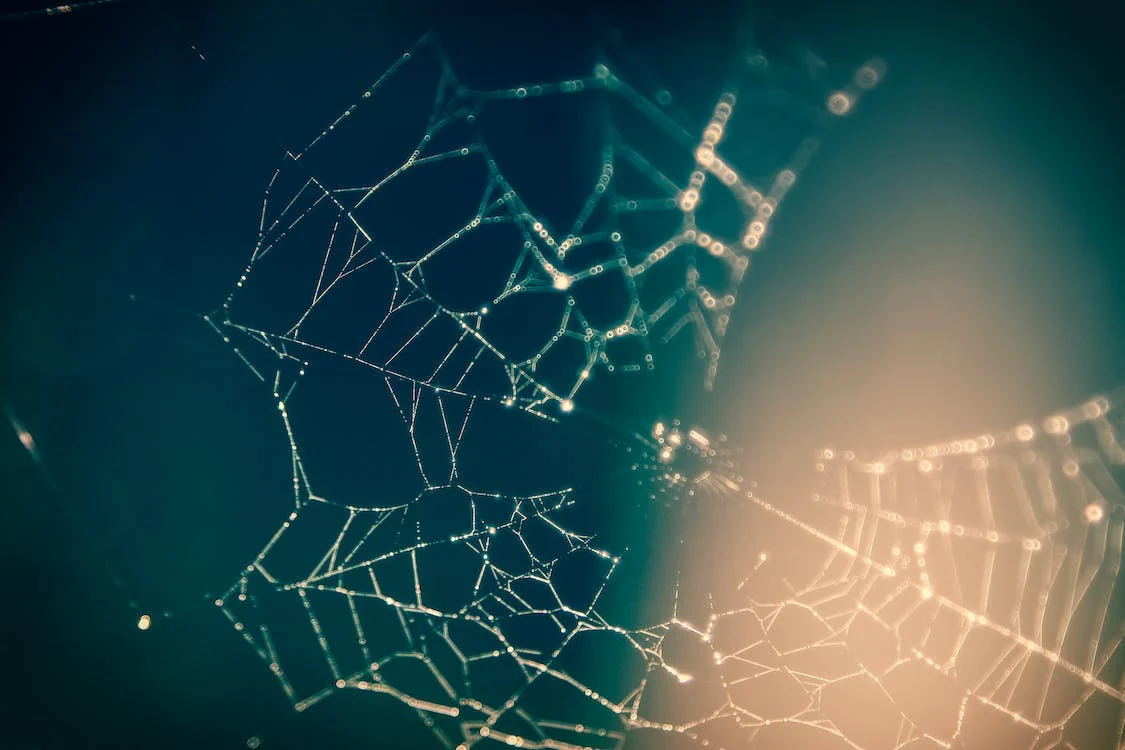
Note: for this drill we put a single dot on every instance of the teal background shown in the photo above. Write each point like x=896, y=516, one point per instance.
x=951, y=262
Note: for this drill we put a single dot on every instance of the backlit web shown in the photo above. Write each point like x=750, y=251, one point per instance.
x=428, y=333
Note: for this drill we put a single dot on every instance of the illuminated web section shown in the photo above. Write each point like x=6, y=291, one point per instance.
x=990, y=565
x=427, y=263
x=966, y=594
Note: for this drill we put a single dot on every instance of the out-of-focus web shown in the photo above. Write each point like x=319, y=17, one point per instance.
x=917, y=598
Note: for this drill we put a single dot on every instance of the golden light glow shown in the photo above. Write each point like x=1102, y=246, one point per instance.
x=1094, y=512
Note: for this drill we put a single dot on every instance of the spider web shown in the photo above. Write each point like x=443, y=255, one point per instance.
x=446, y=558
x=518, y=310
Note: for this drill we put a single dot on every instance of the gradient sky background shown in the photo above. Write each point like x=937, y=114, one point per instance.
x=952, y=262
